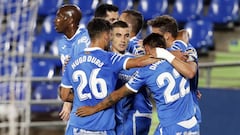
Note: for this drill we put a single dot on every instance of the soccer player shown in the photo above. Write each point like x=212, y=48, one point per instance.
x=107, y=12
x=92, y=75
x=133, y=113
x=167, y=26
x=74, y=39
x=170, y=90
x=135, y=22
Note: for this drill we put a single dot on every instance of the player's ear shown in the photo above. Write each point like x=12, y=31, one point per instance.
x=166, y=35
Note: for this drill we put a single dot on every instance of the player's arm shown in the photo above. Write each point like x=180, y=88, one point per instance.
x=140, y=61
x=112, y=99
x=187, y=69
x=66, y=94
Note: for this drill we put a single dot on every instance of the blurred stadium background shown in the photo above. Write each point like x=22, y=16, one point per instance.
x=30, y=67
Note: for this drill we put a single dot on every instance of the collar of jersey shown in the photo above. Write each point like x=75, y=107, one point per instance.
x=92, y=49
x=78, y=31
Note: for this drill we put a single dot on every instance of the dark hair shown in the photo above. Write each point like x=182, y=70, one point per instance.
x=154, y=40
x=101, y=10
x=72, y=11
x=135, y=18
x=166, y=23
x=121, y=24
x=97, y=26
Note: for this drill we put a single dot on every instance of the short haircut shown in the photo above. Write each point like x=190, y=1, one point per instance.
x=72, y=11
x=101, y=10
x=97, y=26
x=120, y=24
x=135, y=18
x=165, y=23
x=154, y=40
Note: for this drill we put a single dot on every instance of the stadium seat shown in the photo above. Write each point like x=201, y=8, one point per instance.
x=87, y=6
x=121, y=4
x=8, y=6
x=223, y=13
x=17, y=92
x=200, y=35
x=38, y=45
x=48, y=31
x=45, y=91
x=84, y=21
x=152, y=8
x=8, y=68
x=42, y=68
x=47, y=7
x=186, y=10
x=55, y=52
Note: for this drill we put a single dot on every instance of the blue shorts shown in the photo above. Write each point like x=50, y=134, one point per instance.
x=71, y=130
x=136, y=124
x=189, y=127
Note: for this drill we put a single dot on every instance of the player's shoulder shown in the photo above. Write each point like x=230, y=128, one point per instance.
x=179, y=45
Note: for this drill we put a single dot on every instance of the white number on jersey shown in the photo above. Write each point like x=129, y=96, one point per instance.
x=93, y=83
x=168, y=96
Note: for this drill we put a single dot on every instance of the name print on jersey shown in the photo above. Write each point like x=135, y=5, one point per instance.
x=90, y=59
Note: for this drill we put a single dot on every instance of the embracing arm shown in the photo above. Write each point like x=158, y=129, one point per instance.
x=110, y=100
x=140, y=61
x=187, y=69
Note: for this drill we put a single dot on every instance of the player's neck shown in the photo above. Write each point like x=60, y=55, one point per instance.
x=97, y=43
x=71, y=32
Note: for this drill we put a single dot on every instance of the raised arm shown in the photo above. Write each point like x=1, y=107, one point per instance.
x=187, y=69
x=113, y=98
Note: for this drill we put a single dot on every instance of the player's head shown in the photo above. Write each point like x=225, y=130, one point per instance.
x=120, y=36
x=100, y=31
x=134, y=20
x=166, y=26
x=68, y=16
x=108, y=12
x=152, y=41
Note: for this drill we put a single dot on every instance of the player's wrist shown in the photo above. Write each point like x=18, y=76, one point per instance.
x=164, y=54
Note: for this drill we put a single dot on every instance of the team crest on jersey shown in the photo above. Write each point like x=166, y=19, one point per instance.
x=83, y=39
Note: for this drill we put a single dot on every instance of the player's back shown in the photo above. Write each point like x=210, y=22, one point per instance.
x=170, y=91
x=93, y=75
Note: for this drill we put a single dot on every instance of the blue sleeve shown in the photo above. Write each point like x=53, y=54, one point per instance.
x=137, y=81
x=66, y=82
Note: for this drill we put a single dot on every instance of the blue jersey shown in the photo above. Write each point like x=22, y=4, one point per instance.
x=138, y=102
x=70, y=47
x=188, y=48
x=170, y=90
x=92, y=75
x=133, y=46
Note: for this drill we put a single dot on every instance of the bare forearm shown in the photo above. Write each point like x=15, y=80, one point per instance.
x=66, y=94
x=187, y=69
x=113, y=98
x=140, y=61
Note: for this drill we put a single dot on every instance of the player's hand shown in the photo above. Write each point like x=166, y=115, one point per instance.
x=65, y=112
x=85, y=111
x=182, y=56
x=199, y=94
